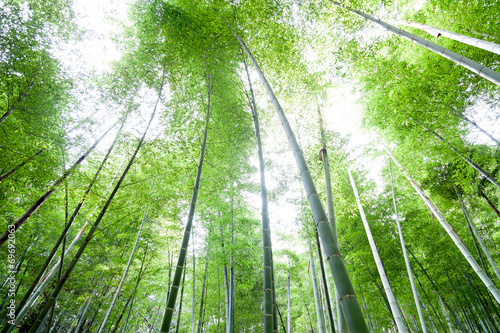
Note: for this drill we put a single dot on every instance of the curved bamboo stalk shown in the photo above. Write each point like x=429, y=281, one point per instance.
x=348, y=299
x=169, y=310
x=380, y=266
x=407, y=261
x=471, y=65
x=269, y=292
x=454, y=236
x=436, y=32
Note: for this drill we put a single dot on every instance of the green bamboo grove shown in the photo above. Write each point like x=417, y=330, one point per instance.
x=173, y=176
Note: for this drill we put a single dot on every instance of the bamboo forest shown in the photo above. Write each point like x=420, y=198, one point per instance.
x=249, y=166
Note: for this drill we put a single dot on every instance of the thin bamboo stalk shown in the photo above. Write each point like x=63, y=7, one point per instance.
x=169, y=310
x=20, y=221
x=269, y=315
x=124, y=276
x=407, y=261
x=380, y=266
x=478, y=236
x=317, y=297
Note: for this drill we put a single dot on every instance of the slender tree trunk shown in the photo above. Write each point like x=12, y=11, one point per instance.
x=135, y=288
x=90, y=235
x=200, y=321
x=115, y=328
x=269, y=315
x=169, y=310
x=193, y=306
x=289, y=317
x=20, y=165
x=407, y=261
x=442, y=299
x=231, y=275
x=370, y=324
x=349, y=302
x=325, y=287
x=449, y=229
x=84, y=313
x=21, y=98
x=317, y=297
x=219, y=308
x=49, y=192
x=124, y=276
x=473, y=66
x=226, y=281
x=31, y=294
x=482, y=194
x=430, y=302
x=437, y=32
x=331, y=212
x=473, y=123
x=180, y=303
x=478, y=236
x=380, y=266
x=476, y=167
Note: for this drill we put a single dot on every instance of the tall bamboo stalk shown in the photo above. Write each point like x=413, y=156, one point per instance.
x=269, y=314
x=200, y=320
x=90, y=235
x=20, y=165
x=124, y=276
x=80, y=320
x=471, y=65
x=478, y=236
x=178, y=324
x=325, y=286
x=331, y=213
x=289, y=317
x=169, y=310
x=380, y=266
x=348, y=299
x=449, y=229
x=317, y=297
x=407, y=260
x=437, y=32
x=19, y=222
